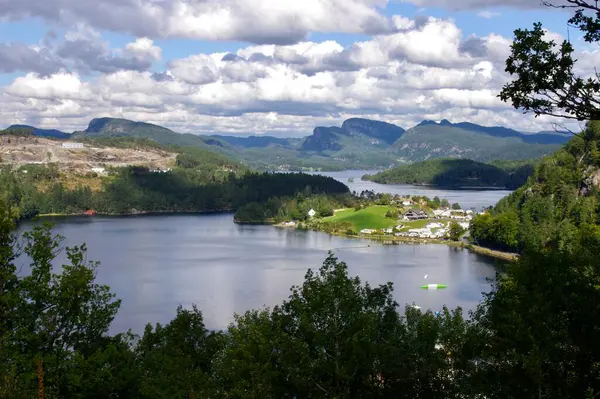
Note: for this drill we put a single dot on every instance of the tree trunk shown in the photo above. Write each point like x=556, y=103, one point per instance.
x=40, y=375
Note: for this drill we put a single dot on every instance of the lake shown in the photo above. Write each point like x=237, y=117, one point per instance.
x=154, y=263
x=471, y=198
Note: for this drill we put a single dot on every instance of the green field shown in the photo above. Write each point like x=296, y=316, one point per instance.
x=372, y=217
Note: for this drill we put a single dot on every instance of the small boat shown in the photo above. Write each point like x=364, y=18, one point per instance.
x=433, y=286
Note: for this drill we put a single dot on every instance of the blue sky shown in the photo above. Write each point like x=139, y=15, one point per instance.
x=62, y=65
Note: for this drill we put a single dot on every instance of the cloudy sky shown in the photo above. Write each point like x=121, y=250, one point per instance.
x=264, y=66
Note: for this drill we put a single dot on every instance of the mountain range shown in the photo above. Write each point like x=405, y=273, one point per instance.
x=357, y=143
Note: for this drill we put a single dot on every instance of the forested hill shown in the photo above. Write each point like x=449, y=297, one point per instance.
x=26, y=129
x=457, y=173
x=500, y=131
x=561, y=198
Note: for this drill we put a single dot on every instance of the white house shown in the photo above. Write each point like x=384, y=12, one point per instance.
x=72, y=145
x=312, y=213
x=435, y=226
x=442, y=213
x=407, y=203
x=367, y=231
x=100, y=171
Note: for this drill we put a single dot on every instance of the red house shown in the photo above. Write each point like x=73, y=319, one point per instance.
x=90, y=212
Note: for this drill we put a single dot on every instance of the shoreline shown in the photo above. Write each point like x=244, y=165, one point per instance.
x=393, y=240
x=384, y=240
x=435, y=186
x=140, y=213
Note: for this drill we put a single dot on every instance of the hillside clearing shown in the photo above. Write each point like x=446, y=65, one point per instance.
x=372, y=217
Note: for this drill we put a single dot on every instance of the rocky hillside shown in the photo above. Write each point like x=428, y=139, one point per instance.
x=21, y=150
x=428, y=140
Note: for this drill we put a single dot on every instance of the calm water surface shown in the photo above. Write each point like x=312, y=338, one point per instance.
x=154, y=263
x=466, y=198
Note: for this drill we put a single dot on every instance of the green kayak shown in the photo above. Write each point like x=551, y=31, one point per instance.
x=433, y=286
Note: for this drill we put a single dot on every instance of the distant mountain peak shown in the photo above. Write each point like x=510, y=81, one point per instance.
x=119, y=125
x=427, y=122
x=328, y=138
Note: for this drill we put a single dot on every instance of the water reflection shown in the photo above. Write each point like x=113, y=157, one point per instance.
x=466, y=198
x=154, y=263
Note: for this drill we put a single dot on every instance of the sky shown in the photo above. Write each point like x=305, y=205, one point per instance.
x=276, y=67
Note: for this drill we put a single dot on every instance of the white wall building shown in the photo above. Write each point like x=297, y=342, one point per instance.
x=100, y=171
x=72, y=145
x=312, y=213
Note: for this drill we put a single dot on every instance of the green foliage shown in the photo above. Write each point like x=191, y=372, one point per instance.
x=279, y=209
x=50, y=320
x=534, y=335
x=539, y=322
x=136, y=189
x=456, y=231
x=392, y=214
x=457, y=173
x=177, y=358
x=561, y=195
x=19, y=131
x=546, y=81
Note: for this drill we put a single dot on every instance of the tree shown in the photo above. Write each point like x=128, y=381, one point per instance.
x=54, y=318
x=456, y=231
x=445, y=203
x=539, y=320
x=336, y=337
x=456, y=206
x=546, y=81
x=176, y=359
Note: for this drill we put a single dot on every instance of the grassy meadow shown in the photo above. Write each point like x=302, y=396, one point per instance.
x=372, y=217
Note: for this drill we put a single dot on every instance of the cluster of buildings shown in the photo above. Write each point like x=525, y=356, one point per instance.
x=454, y=214
x=382, y=231
x=433, y=230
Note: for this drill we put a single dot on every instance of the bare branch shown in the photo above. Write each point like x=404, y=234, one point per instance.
x=563, y=128
x=572, y=4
